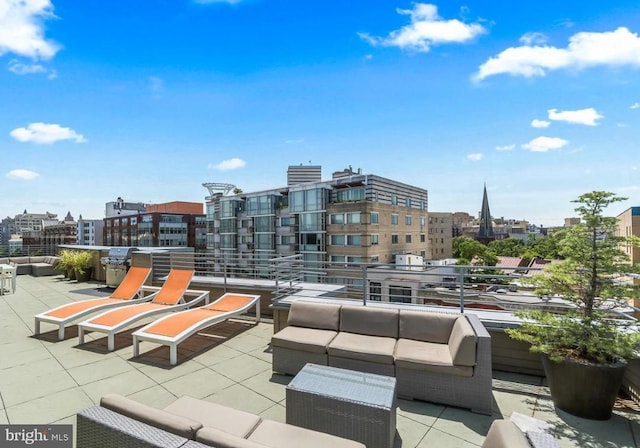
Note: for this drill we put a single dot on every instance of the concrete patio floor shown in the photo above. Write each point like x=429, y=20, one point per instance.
x=43, y=380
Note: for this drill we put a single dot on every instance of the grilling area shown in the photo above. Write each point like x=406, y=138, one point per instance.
x=116, y=264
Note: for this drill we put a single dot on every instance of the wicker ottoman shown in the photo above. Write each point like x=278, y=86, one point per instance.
x=353, y=405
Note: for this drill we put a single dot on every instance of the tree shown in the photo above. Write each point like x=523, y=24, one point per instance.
x=466, y=250
x=547, y=247
x=588, y=278
x=510, y=247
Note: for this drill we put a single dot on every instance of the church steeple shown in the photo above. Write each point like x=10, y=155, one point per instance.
x=485, y=233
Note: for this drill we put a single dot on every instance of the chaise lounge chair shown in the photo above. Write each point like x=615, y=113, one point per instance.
x=170, y=297
x=173, y=329
x=129, y=292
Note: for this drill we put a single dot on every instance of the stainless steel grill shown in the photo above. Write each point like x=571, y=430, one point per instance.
x=116, y=264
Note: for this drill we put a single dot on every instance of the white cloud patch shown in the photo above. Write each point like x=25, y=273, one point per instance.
x=20, y=174
x=426, y=30
x=46, y=134
x=506, y=148
x=21, y=30
x=19, y=68
x=475, y=156
x=635, y=105
x=533, y=39
x=613, y=48
x=228, y=165
x=540, y=124
x=544, y=144
x=587, y=117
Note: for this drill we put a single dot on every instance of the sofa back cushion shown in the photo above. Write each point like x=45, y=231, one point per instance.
x=221, y=439
x=176, y=424
x=4, y=261
x=369, y=321
x=462, y=343
x=426, y=326
x=19, y=260
x=323, y=316
x=38, y=259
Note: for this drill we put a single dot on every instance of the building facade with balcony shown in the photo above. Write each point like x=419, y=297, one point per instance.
x=629, y=225
x=351, y=219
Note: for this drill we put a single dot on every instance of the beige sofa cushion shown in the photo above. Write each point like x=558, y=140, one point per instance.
x=276, y=434
x=505, y=434
x=426, y=326
x=221, y=439
x=19, y=260
x=4, y=260
x=462, y=343
x=303, y=339
x=324, y=316
x=213, y=415
x=369, y=320
x=37, y=259
x=176, y=424
x=429, y=357
x=376, y=349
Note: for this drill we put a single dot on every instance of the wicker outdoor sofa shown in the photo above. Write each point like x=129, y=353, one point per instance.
x=37, y=266
x=190, y=423
x=439, y=357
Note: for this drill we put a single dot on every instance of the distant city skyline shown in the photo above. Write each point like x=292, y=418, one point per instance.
x=147, y=100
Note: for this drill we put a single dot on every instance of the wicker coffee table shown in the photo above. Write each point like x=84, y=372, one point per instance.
x=349, y=404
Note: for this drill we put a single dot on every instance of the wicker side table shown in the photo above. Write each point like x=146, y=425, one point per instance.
x=353, y=405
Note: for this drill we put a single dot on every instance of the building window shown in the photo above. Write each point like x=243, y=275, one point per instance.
x=374, y=259
x=336, y=219
x=422, y=237
x=422, y=221
x=399, y=294
x=407, y=238
x=374, y=218
x=407, y=220
x=407, y=202
x=394, y=219
x=394, y=238
x=374, y=239
x=354, y=260
x=353, y=218
x=375, y=291
x=337, y=240
x=353, y=240
x=394, y=200
x=337, y=258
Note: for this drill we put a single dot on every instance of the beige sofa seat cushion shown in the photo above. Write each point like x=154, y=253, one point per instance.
x=276, y=434
x=37, y=259
x=176, y=424
x=427, y=356
x=369, y=320
x=462, y=343
x=426, y=326
x=505, y=434
x=324, y=316
x=232, y=421
x=376, y=349
x=303, y=339
x=221, y=439
x=19, y=260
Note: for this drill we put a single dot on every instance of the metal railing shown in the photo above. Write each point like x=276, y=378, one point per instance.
x=28, y=250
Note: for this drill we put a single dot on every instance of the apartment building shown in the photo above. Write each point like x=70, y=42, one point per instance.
x=441, y=232
x=629, y=225
x=90, y=232
x=173, y=224
x=352, y=218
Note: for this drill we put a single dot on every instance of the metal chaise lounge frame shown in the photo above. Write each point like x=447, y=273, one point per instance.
x=170, y=297
x=171, y=330
x=130, y=291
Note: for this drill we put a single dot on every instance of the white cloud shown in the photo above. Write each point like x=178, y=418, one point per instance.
x=506, y=148
x=544, y=144
x=45, y=134
x=227, y=165
x=21, y=174
x=426, y=29
x=612, y=48
x=30, y=69
x=635, y=105
x=475, y=156
x=587, y=117
x=21, y=30
x=540, y=124
x=533, y=39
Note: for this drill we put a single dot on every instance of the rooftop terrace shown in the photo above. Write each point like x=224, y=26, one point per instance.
x=43, y=380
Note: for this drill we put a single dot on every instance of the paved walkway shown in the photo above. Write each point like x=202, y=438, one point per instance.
x=43, y=380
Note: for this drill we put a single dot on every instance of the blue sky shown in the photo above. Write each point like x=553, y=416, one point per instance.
x=149, y=99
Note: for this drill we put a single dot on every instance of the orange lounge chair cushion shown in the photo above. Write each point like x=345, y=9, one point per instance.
x=119, y=315
x=174, y=287
x=78, y=307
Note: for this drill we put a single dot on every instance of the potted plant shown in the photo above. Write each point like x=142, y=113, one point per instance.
x=82, y=262
x=64, y=263
x=584, y=350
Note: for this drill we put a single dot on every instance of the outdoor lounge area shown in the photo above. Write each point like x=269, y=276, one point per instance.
x=46, y=380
